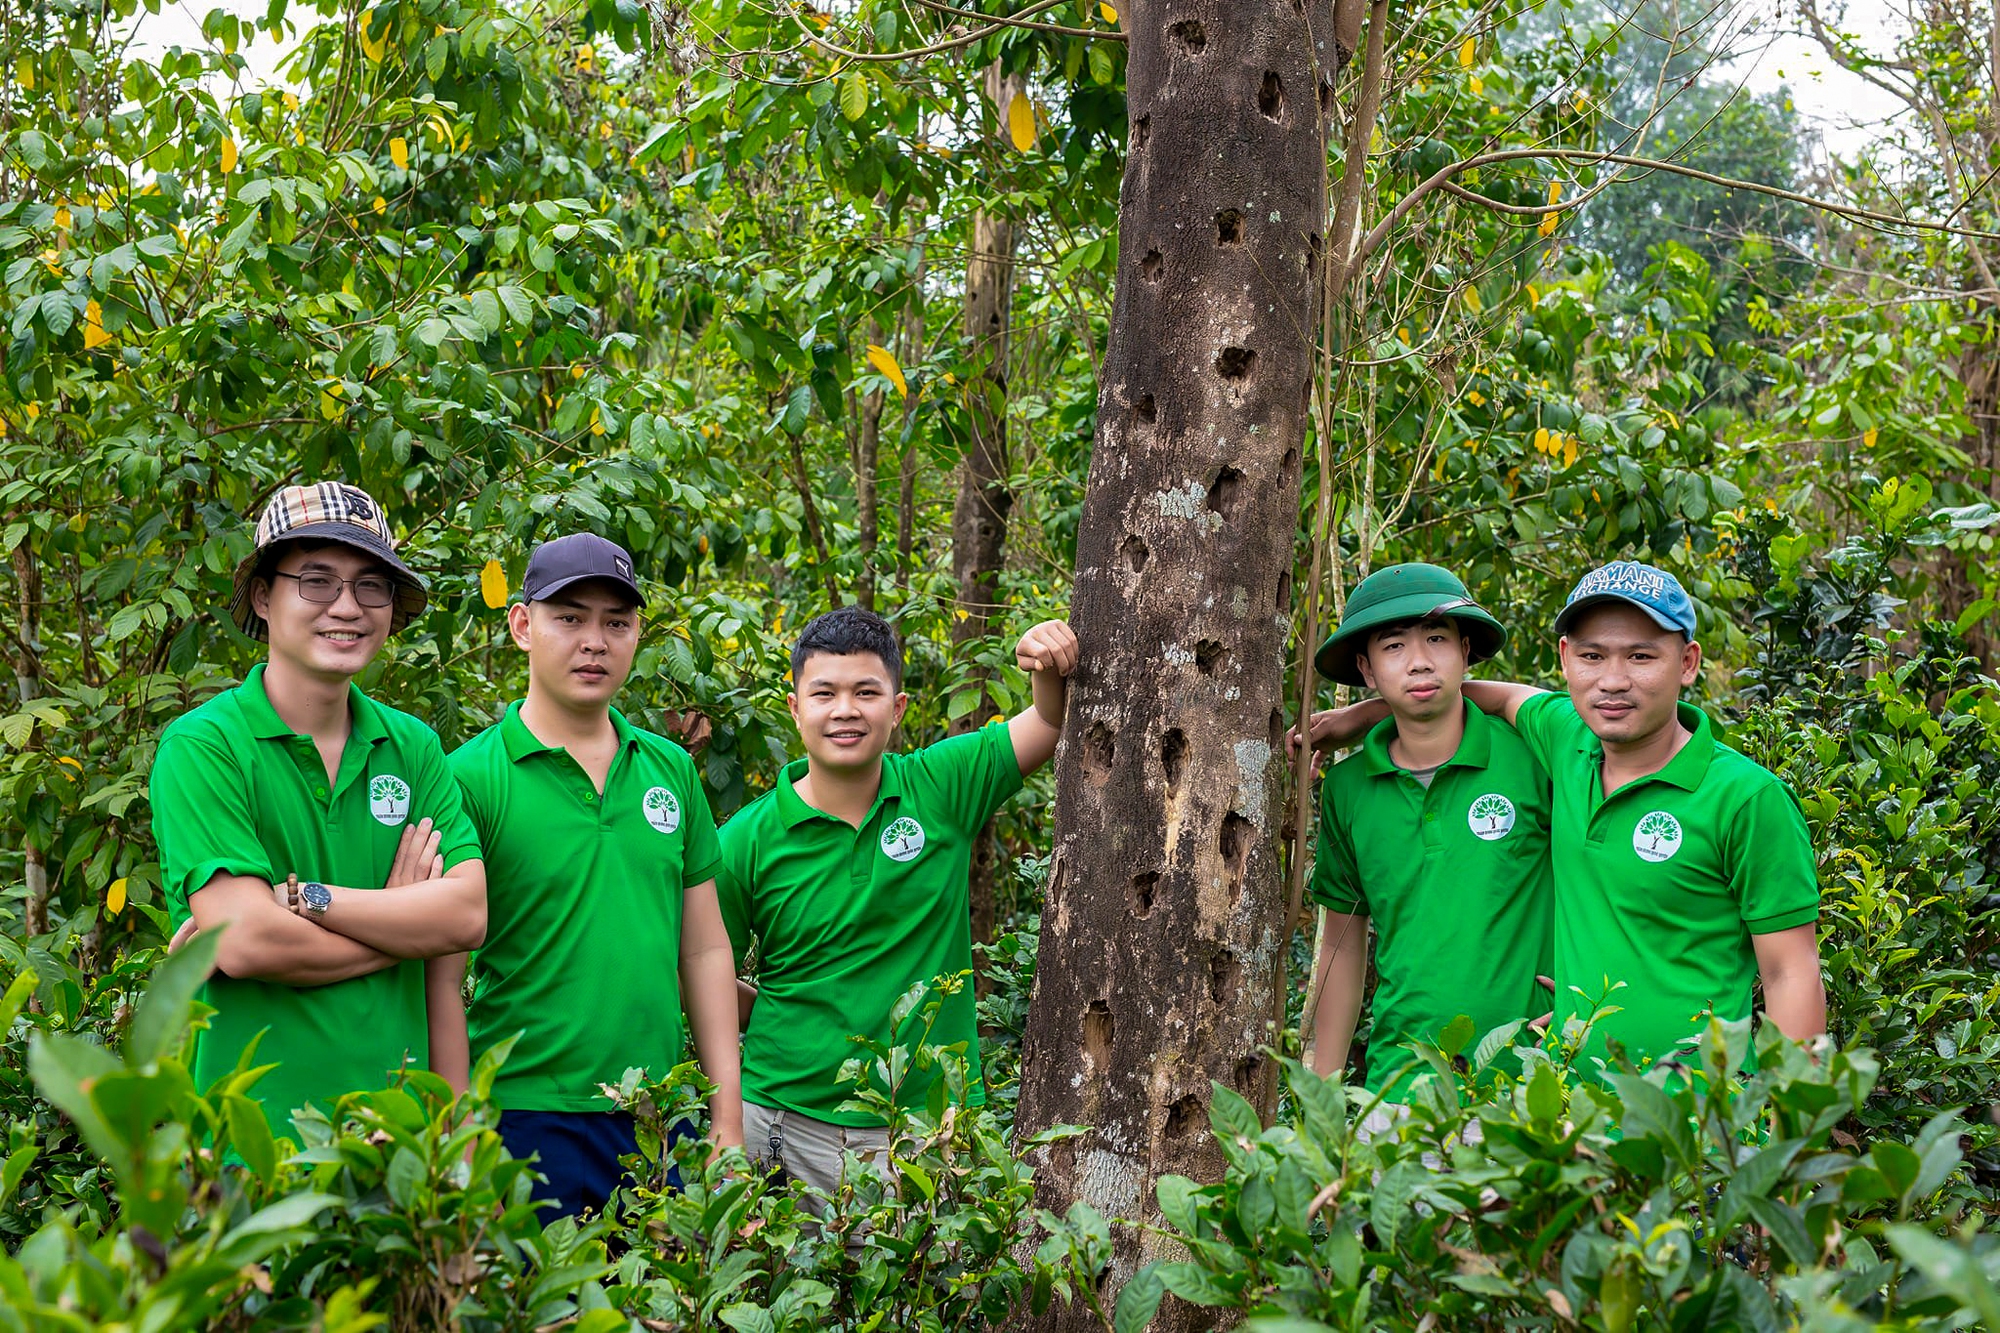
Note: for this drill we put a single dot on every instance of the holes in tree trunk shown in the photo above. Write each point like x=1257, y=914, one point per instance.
x=1291, y=461
x=1173, y=757
x=1209, y=655
x=1190, y=34
x=1285, y=591
x=1142, y=130
x=1099, y=748
x=1097, y=1032
x=1246, y=1075
x=1271, y=97
x=1134, y=551
x=1225, y=493
x=1224, y=975
x=1229, y=227
x=1277, y=728
x=1326, y=94
x=1235, y=847
x=1146, y=411
x=1187, y=1116
x=1234, y=363
x=1151, y=265
x=1141, y=892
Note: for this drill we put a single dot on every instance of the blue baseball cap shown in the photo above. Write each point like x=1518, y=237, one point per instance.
x=1654, y=591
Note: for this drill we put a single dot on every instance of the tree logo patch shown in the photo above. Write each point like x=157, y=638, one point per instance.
x=389, y=799
x=663, y=809
x=1658, y=837
x=902, y=840
x=1491, y=817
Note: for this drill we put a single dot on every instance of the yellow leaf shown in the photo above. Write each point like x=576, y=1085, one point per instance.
x=1476, y=398
x=493, y=585
x=1569, y=451
x=52, y=260
x=1110, y=14
x=885, y=362
x=596, y=425
x=399, y=152
x=1868, y=437
x=1478, y=85
x=1471, y=298
x=62, y=218
x=93, y=326
x=66, y=760
x=298, y=136
x=1468, y=51
x=329, y=403
x=1548, y=227
x=586, y=56
x=228, y=155
x=291, y=101
x=381, y=205
x=374, y=47
x=1541, y=439
x=962, y=613
x=34, y=411
x=1404, y=335
x=1021, y=122
x=997, y=717
x=114, y=897
x=1555, y=192
x=24, y=73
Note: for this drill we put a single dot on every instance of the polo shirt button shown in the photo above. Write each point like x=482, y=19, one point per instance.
x=590, y=798
x=319, y=791
x=1431, y=817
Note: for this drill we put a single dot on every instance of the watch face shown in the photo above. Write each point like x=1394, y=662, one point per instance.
x=315, y=897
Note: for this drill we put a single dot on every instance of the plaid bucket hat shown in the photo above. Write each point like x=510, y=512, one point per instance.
x=326, y=511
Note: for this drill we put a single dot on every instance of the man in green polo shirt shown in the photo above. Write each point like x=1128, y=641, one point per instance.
x=602, y=915
x=283, y=808
x=851, y=877
x=1684, y=871
x=1437, y=829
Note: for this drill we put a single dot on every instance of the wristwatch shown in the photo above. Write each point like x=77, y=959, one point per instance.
x=314, y=899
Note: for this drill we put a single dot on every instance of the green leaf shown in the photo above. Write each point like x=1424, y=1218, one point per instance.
x=162, y=1015
x=1391, y=1202
x=250, y=1135
x=1139, y=1301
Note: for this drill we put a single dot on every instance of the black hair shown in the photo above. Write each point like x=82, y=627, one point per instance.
x=850, y=629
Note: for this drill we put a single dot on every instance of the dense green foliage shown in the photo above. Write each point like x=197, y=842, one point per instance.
x=693, y=278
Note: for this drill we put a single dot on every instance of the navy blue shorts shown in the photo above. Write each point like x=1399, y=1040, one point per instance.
x=579, y=1152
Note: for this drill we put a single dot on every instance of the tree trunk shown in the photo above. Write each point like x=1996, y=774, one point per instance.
x=1163, y=927
x=979, y=514
x=906, y=480
x=867, y=452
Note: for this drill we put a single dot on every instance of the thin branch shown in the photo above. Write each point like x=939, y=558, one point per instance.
x=1004, y=21
x=1439, y=179
x=951, y=44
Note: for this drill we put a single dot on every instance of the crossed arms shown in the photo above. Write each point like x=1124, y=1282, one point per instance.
x=422, y=911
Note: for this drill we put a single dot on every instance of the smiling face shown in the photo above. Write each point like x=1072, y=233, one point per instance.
x=1625, y=673
x=847, y=707
x=579, y=642
x=1417, y=668
x=327, y=641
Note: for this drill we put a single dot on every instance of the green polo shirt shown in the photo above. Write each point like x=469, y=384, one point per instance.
x=235, y=791
x=584, y=900
x=1456, y=879
x=1661, y=884
x=848, y=919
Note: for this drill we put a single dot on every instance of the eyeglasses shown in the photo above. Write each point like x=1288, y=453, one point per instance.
x=369, y=589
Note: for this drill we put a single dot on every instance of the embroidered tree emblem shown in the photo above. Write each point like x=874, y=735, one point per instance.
x=663, y=811
x=1657, y=837
x=903, y=839
x=389, y=798
x=1491, y=815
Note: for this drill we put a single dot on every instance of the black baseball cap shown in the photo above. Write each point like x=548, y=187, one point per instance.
x=572, y=559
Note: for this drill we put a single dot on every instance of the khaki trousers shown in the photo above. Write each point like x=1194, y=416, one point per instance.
x=810, y=1150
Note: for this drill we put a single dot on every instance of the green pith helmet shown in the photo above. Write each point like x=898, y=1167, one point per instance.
x=1396, y=596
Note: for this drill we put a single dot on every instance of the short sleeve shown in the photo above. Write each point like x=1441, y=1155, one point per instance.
x=440, y=800
x=1773, y=874
x=701, y=850
x=733, y=882
x=973, y=775
x=1336, y=877
x=1549, y=723
x=202, y=819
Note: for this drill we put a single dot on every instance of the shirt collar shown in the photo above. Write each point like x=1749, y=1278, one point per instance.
x=521, y=742
x=364, y=718
x=1686, y=769
x=1475, y=748
x=793, y=810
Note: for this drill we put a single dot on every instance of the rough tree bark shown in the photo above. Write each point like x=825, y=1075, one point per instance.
x=865, y=458
x=979, y=514
x=1162, y=933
